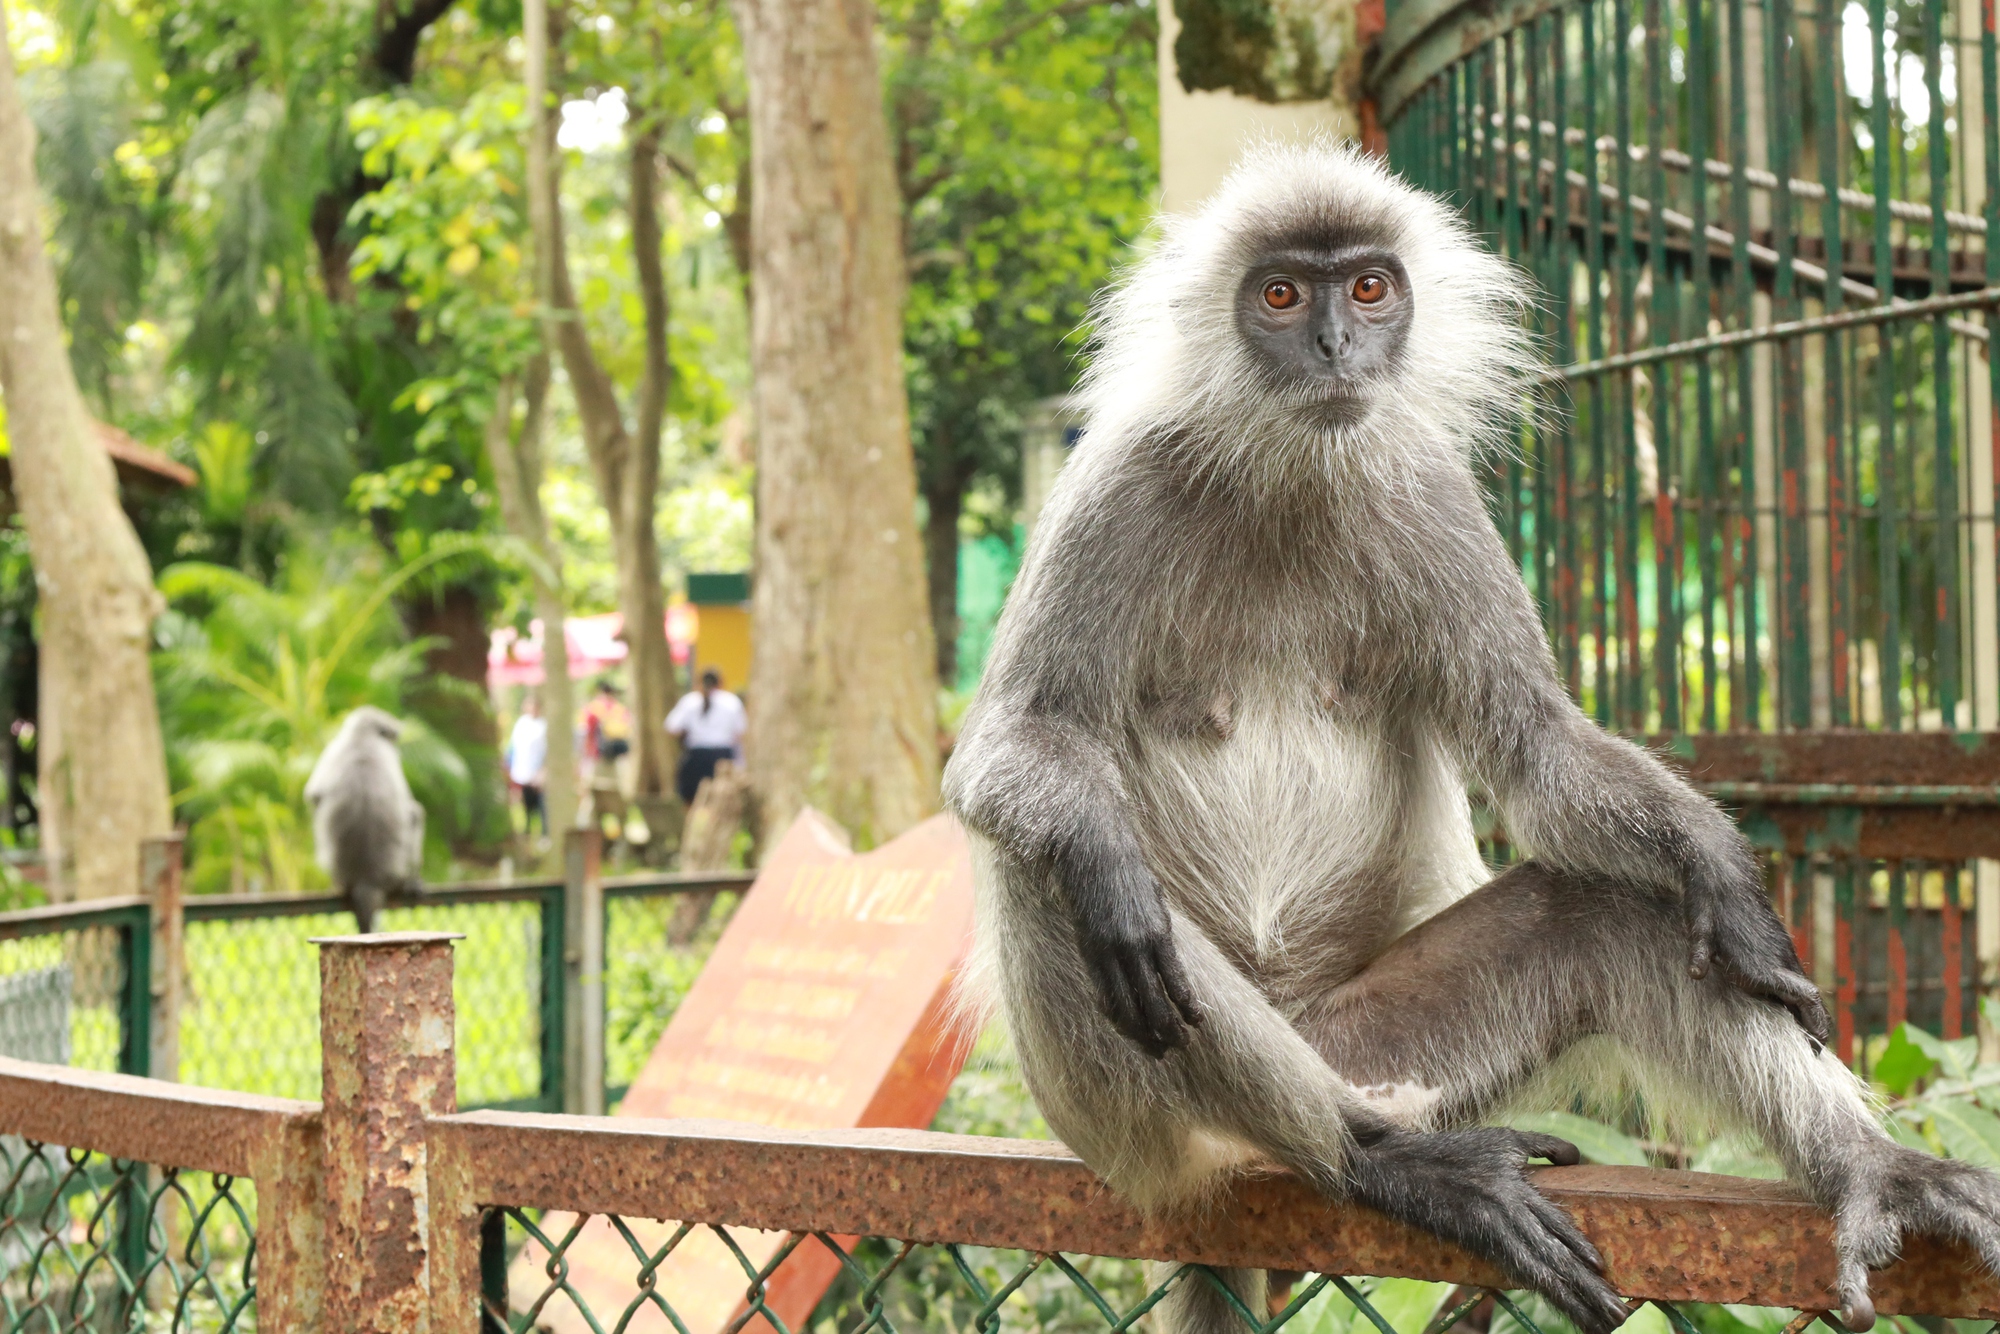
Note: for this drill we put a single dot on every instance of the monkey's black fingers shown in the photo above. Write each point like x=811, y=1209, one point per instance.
x=1559, y=1151
x=1115, y=998
x=1701, y=936
x=1558, y=1222
x=1549, y=1254
x=1167, y=963
x=1798, y=995
x=1157, y=1012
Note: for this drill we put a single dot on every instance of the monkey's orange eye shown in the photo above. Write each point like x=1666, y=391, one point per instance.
x=1370, y=288
x=1281, y=294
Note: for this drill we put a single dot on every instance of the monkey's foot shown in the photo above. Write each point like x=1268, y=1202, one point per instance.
x=1897, y=1191
x=1467, y=1186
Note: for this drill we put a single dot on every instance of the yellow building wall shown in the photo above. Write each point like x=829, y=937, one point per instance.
x=722, y=641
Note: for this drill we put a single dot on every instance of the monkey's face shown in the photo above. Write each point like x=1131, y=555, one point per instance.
x=1327, y=322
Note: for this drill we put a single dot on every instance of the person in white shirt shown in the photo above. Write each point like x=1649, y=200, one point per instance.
x=528, y=763
x=710, y=723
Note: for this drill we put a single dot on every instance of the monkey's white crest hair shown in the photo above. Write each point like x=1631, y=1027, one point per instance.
x=1169, y=358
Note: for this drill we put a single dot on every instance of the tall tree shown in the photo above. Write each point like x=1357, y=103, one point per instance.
x=625, y=461
x=517, y=476
x=103, y=776
x=1027, y=162
x=843, y=688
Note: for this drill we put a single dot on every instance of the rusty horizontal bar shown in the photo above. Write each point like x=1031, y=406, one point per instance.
x=1847, y=319
x=690, y=882
x=54, y=917
x=1672, y=1236
x=1853, y=794
x=145, y=1120
x=1836, y=756
x=1876, y=833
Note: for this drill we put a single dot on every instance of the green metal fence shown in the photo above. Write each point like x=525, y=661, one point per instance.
x=75, y=983
x=1757, y=495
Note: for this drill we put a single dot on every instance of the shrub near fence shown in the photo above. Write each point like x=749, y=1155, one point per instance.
x=386, y=1211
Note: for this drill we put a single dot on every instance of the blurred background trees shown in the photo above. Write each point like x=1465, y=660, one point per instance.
x=294, y=253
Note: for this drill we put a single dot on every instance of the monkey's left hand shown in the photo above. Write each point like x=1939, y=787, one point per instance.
x=1732, y=927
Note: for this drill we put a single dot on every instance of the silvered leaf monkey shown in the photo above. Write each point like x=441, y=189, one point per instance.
x=1265, y=638
x=367, y=828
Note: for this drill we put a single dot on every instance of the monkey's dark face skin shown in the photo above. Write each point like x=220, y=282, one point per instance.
x=1327, y=320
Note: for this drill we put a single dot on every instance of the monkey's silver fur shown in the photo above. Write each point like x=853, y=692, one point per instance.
x=368, y=830
x=1264, y=638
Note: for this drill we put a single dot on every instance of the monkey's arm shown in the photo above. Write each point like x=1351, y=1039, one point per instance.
x=1048, y=794
x=1581, y=799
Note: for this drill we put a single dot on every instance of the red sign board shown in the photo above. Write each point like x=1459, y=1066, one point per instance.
x=824, y=1005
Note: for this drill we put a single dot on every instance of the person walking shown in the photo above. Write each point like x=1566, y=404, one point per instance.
x=528, y=763
x=710, y=723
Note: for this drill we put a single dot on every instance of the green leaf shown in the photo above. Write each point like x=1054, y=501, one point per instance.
x=1598, y=1142
x=1904, y=1061
x=1968, y=1132
x=1957, y=1057
x=1905, y=1128
x=1406, y=1303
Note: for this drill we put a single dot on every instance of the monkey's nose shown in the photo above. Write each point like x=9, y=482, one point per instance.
x=1325, y=346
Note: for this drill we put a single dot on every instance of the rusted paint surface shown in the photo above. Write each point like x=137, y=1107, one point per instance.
x=454, y=1237
x=291, y=1231
x=1900, y=759
x=1677, y=1236
x=209, y=1130
x=160, y=881
x=386, y=1040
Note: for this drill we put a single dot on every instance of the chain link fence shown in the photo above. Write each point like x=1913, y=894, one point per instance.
x=75, y=982
x=94, y=1243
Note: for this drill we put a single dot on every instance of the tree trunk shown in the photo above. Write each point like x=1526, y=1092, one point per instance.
x=103, y=769
x=843, y=687
x=946, y=502
x=517, y=475
x=626, y=466
x=455, y=617
x=640, y=594
x=544, y=220
x=718, y=812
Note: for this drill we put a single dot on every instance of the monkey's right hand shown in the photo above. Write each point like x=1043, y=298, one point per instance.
x=1127, y=942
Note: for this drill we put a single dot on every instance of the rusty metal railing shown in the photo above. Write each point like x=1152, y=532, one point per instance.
x=388, y=1211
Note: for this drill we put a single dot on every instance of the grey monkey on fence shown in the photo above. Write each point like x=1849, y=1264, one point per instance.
x=1230, y=900
x=368, y=830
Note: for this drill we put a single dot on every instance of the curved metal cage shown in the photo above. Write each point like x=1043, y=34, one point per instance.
x=1765, y=500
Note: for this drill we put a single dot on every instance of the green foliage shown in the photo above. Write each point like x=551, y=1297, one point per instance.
x=1028, y=158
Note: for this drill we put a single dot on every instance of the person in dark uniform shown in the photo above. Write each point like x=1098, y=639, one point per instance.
x=710, y=723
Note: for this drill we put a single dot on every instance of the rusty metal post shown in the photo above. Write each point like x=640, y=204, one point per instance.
x=291, y=1227
x=160, y=884
x=456, y=1227
x=386, y=1028
x=583, y=973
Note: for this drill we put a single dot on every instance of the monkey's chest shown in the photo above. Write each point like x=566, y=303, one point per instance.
x=1295, y=837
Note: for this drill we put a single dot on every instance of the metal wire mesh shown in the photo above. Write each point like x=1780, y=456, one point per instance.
x=90, y=1243
x=893, y=1285
x=250, y=1013
x=60, y=998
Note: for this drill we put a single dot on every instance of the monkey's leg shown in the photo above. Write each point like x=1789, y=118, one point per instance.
x=1248, y=1087
x=1467, y=1007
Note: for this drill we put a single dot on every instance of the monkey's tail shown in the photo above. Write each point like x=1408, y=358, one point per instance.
x=1197, y=1304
